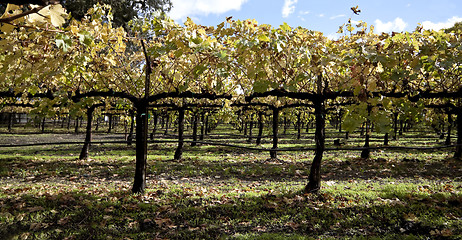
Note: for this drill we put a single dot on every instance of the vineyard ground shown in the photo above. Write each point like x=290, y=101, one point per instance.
x=223, y=192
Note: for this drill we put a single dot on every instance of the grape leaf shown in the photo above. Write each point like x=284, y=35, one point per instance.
x=56, y=14
x=260, y=86
x=263, y=38
x=285, y=27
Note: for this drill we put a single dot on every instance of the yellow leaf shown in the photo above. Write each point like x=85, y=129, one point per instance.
x=6, y=27
x=11, y=10
x=74, y=29
x=56, y=13
x=263, y=38
x=446, y=232
x=51, y=13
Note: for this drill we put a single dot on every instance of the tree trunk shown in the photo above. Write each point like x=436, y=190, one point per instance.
x=139, y=183
x=274, y=154
x=43, y=124
x=62, y=122
x=110, y=124
x=448, y=137
x=314, y=179
x=141, y=105
x=260, y=128
x=132, y=126
x=125, y=130
x=458, y=153
x=201, y=137
x=76, y=122
x=68, y=122
x=86, y=144
x=385, y=140
x=97, y=123
x=395, y=126
x=179, y=149
x=308, y=126
x=299, y=125
x=401, y=126
x=366, y=153
x=194, y=130
x=10, y=122
x=167, y=121
x=249, y=140
x=207, y=130
x=154, y=128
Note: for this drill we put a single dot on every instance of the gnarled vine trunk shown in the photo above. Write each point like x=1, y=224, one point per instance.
x=260, y=128
x=448, y=137
x=132, y=123
x=314, y=179
x=179, y=149
x=458, y=153
x=194, y=133
x=273, y=153
x=88, y=132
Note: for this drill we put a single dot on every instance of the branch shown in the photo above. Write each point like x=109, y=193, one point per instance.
x=6, y=94
x=109, y=93
x=281, y=92
x=152, y=98
x=188, y=94
x=12, y=18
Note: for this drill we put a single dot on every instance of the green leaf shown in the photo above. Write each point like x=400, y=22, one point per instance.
x=222, y=55
x=260, y=86
x=178, y=53
x=199, y=69
x=85, y=38
x=285, y=27
x=63, y=41
x=351, y=122
x=264, y=38
x=183, y=87
x=382, y=122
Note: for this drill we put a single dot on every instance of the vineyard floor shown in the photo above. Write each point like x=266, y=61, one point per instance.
x=224, y=192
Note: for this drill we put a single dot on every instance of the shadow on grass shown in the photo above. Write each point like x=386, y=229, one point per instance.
x=93, y=214
x=116, y=164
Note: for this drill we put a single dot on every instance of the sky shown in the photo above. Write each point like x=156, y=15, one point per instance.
x=324, y=15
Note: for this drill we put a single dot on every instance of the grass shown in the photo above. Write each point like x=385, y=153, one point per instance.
x=224, y=193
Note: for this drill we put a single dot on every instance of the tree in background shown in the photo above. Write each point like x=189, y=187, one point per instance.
x=123, y=10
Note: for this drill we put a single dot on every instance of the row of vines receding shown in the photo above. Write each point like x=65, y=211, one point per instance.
x=239, y=71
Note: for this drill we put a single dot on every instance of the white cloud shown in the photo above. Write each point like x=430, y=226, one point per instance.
x=321, y=15
x=337, y=16
x=437, y=26
x=186, y=8
x=333, y=36
x=288, y=7
x=302, y=14
x=397, y=25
